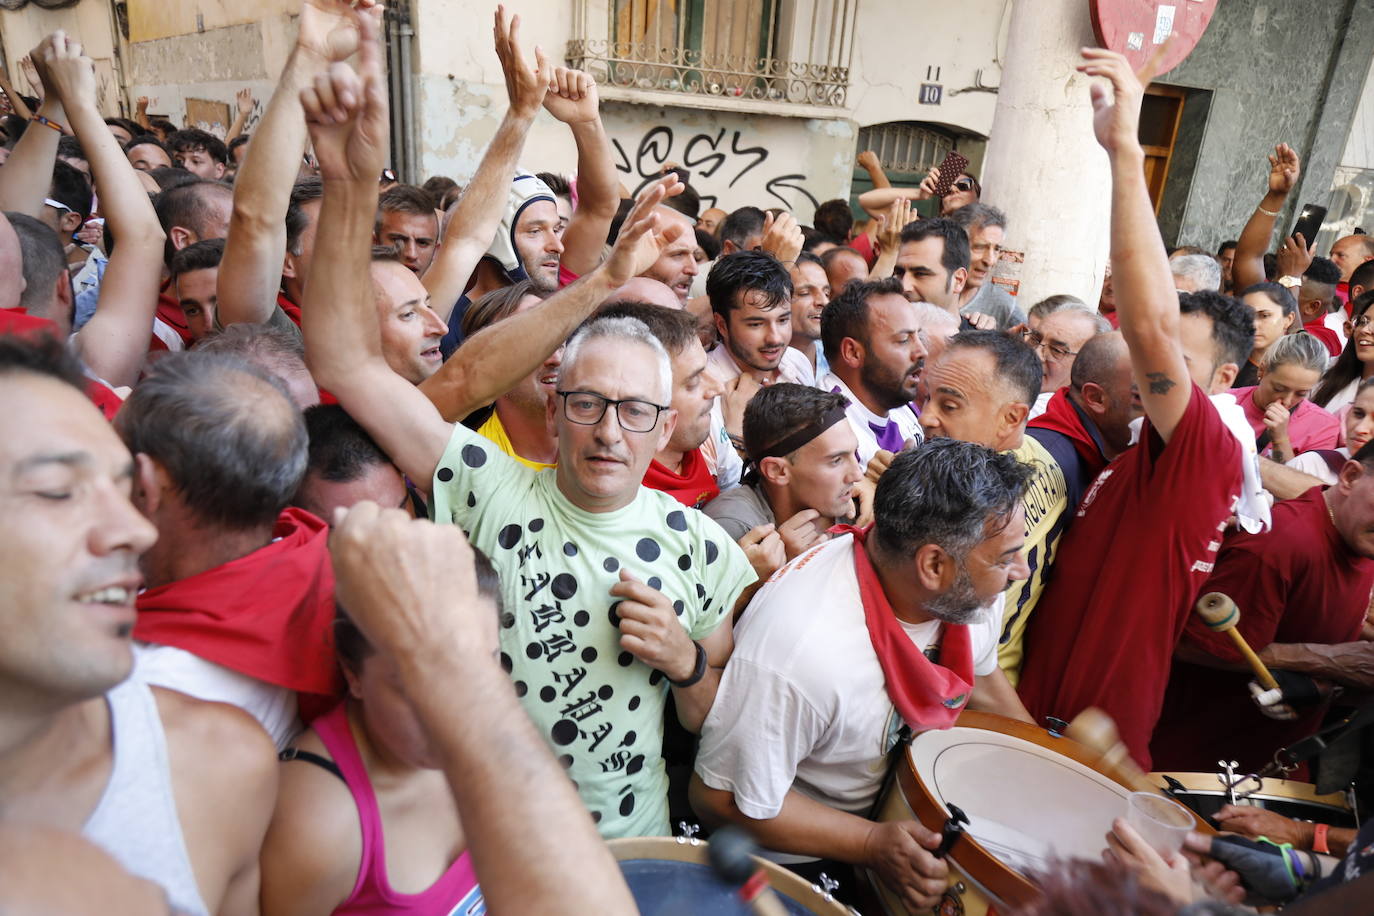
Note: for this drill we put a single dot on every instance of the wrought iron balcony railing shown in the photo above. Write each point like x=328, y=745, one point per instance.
x=784, y=51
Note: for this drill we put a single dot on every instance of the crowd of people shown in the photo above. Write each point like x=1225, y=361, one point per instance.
x=380, y=548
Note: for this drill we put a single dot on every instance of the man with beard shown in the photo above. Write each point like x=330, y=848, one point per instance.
x=830, y=667
x=872, y=340
x=751, y=296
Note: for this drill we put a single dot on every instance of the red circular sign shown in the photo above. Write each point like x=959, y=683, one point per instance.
x=1136, y=27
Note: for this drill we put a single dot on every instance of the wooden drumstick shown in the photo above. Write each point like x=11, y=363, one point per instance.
x=731, y=854
x=1221, y=616
x=1095, y=730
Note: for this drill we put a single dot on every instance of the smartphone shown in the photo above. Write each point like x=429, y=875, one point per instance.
x=949, y=172
x=1309, y=222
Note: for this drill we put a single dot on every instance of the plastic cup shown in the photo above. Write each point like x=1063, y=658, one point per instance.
x=1162, y=822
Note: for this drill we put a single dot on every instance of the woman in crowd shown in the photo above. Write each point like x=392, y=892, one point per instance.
x=1284, y=420
x=1275, y=311
x=1355, y=363
x=1325, y=464
x=365, y=823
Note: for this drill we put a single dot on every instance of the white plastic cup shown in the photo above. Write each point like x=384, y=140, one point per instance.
x=1162, y=822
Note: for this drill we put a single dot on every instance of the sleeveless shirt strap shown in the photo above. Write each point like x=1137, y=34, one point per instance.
x=295, y=753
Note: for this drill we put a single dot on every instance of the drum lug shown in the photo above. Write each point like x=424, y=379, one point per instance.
x=1055, y=726
x=951, y=831
x=687, y=834
x=825, y=886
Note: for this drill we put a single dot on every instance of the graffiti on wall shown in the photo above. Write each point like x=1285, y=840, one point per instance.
x=718, y=162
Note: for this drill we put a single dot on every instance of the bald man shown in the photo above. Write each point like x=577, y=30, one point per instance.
x=646, y=290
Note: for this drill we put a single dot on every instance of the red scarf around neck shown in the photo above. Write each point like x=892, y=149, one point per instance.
x=694, y=486
x=1061, y=417
x=926, y=694
x=268, y=615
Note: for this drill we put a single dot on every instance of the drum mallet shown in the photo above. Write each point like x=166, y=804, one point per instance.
x=1221, y=616
x=731, y=854
x=1095, y=730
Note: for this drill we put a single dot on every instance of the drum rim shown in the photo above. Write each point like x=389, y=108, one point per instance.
x=1291, y=790
x=1007, y=884
x=672, y=849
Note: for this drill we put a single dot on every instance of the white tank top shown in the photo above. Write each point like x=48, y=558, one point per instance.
x=136, y=819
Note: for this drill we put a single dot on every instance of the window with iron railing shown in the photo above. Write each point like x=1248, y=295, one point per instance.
x=786, y=51
x=904, y=147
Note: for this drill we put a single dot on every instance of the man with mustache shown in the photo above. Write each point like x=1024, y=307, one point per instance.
x=872, y=340
x=832, y=667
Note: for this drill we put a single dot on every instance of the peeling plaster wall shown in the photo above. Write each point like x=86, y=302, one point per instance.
x=211, y=65
x=89, y=22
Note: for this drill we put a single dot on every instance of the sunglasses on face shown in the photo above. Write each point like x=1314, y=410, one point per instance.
x=964, y=184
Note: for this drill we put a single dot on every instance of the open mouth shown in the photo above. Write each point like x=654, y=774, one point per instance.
x=116, y=595
x=431, y=353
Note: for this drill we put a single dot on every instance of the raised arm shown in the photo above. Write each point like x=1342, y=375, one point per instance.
x=1147, y=304
x=254, y=252
x=114, y=342
x=243, y=101
x=477, y=215
x=572, y=99
x=492, y=361
x=17, y=104
x=27, y=176
x=877, y=201
x=1248, y=267
x=411, y=587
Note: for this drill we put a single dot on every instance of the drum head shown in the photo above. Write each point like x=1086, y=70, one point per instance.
x=668, y=878
x=1026, y=804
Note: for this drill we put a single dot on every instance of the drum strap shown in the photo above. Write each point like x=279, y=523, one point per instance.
x=894, y=760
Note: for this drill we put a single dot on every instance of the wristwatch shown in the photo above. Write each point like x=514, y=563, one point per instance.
x=1290, y=281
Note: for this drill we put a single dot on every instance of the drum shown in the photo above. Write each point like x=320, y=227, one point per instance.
x=1205, y=793
x=1031, y=797
x=671, y=877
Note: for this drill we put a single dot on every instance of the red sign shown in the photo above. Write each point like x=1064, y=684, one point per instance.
x=1136, y=28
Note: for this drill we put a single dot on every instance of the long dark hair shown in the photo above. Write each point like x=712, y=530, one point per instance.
x=1347, y=367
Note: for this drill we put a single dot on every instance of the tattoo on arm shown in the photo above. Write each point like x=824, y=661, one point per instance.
x=1159, y=382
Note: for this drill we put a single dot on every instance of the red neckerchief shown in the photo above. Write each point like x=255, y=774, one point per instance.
x=694, y=487
x=926, y=694
x=169, y=313
x=1061, y=417
x=19, y=322
x=292, y=310
x=269, y=615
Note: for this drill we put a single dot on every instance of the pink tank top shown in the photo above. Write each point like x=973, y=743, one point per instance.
x=455, y=893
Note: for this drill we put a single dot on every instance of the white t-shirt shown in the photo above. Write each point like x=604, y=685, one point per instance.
x=802, y=703
x=1314, y=464
x=861, y=419
x=1042, y=403
x=176, y=669
x=718, y=451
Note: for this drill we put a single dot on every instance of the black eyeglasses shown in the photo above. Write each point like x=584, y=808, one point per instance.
x=586, y=408
x=1036, y=341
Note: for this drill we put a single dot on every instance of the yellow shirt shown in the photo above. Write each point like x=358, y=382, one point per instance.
x=1046, y=503
x=493, y=430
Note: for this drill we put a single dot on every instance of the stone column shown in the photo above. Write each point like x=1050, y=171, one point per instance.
x=1043, y=168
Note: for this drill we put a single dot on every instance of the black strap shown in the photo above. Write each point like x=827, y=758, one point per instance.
x=1263, y=441
x=295, y=753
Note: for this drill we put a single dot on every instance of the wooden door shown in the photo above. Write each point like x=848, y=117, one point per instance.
x=1160, y=113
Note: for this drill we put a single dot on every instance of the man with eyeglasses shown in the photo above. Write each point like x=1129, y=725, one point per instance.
x=609, y=588
x=1061, y=334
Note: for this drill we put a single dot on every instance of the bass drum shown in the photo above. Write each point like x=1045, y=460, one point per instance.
x=1030, y=796
x=672, y=877
x=1206, y=795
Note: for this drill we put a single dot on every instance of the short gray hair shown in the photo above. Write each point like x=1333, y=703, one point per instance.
x=978, y=215
x=1202, y=269
x=624, y=329
x=1051, y=304
x=1301, y=349
x=226, y=431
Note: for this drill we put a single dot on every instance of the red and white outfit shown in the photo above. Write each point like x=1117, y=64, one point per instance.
x=1297, y=583
x=805, y=702
x=1145, y=537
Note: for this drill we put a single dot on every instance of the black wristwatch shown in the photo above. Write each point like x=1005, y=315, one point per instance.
x=698, y=671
